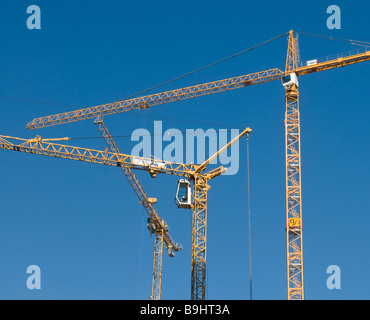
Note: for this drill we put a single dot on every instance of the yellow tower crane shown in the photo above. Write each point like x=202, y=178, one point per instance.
x=193, y=172
x=155, y=223
x=293, y=69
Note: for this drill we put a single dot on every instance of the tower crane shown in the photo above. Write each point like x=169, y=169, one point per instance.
x=155, y=223
x=289, y=78
x=193, y=172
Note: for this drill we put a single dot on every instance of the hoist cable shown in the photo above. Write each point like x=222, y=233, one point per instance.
x=249, y=225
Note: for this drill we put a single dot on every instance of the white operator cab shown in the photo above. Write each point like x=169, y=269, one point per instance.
x=183, y=194
x=288, y=80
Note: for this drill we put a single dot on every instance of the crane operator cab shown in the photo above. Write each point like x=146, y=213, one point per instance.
x=183, y=194
x=288, y=80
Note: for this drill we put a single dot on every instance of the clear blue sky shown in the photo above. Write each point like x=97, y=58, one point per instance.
x=82, y=224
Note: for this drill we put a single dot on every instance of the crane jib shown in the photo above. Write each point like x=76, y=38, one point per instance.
x=157, y=99
x=146, y=102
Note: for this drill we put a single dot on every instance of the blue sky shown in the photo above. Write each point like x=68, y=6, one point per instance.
x=82, y=224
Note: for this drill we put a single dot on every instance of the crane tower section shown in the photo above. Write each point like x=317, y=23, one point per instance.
x=293, y=176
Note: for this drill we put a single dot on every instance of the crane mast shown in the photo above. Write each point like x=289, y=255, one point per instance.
x=199, y=239
x=293, y=179
x=199, y=222
x=157, y=264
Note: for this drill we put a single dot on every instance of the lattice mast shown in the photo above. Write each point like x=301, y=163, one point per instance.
x=293, y=178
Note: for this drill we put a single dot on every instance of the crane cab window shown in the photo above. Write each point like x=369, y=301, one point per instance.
x=286, y=78
x=183, y=194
